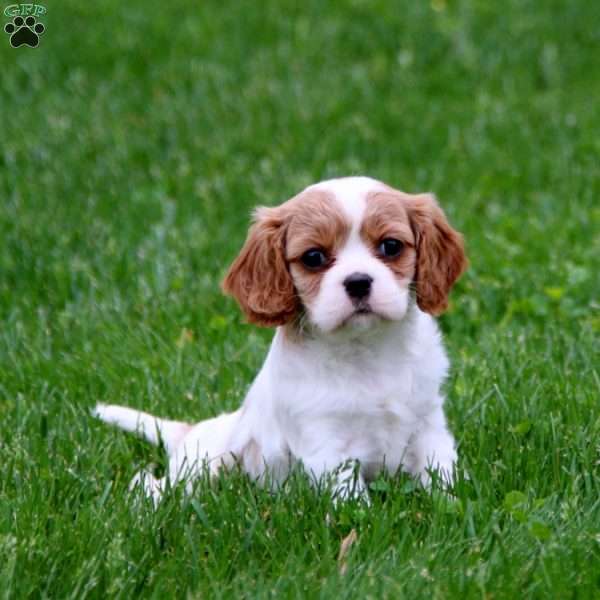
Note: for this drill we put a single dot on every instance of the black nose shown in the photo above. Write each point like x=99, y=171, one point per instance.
x=358, y=285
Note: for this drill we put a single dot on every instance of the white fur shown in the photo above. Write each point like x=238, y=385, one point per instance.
x=358, y=394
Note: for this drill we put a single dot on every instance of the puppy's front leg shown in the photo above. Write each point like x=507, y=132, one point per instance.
x=433, y=448
x=344, y=475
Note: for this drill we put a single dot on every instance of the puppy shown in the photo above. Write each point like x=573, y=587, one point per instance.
x=350, y=272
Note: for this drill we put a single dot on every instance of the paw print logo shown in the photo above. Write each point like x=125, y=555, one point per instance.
x=24, y=31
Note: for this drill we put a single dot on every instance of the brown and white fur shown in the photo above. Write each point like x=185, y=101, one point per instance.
x=351, y=383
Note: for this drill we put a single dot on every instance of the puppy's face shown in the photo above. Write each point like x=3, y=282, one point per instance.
x=346, y=253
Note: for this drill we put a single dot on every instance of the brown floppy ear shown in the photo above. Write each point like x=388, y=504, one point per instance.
x=259, y=278
x=441, y=256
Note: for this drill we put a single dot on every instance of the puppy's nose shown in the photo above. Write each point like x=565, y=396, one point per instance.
x=358, y=285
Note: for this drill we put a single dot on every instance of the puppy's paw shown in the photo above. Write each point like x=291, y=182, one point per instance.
x=150, y=486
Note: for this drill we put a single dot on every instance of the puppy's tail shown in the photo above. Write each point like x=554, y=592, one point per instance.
x=147, y=426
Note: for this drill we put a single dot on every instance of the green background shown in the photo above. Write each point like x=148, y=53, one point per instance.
x=134, y=142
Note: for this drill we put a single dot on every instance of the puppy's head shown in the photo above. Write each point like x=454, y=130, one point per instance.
x=346, y=253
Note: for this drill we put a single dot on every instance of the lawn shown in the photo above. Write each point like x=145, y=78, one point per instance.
x=134, y=142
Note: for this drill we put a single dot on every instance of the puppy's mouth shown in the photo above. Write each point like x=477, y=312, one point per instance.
x=362, y=314
x=363, y=310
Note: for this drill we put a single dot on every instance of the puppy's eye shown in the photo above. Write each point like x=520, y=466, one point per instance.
x=390, y=248
x=314, y=258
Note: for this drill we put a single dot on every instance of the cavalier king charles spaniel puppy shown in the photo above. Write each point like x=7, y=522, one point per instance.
x=350, y=272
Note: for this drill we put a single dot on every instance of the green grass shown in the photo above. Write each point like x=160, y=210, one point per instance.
x=134, y=142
